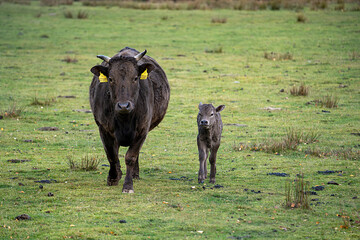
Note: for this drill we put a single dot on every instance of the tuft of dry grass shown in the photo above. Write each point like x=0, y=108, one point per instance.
x=344, y=153
x=278, y=56
x=289, y=142
x=68, y=14
x=218, y=20
x=69, y=59
x=51, y=3
x=296, y=194
x=82, y=15
x=319, y=4
x=87, y=163
x=214, y=50
x=328, y=101
x=12, y=112
x=47, y=102
x=354, y=55
x=301, y=18
x=302, y=90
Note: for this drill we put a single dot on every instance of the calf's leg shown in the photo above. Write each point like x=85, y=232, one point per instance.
x=111, y=149
x=203, y=153
x=212, y=160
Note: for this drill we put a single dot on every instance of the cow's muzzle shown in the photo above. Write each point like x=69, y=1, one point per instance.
x=124, y=107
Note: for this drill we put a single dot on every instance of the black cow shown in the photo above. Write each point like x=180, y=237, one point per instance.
x=129, y=96
x=210, y=127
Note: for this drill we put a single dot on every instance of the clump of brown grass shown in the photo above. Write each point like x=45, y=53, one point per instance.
x=47, y=102
x=296, y=194
x=87, y=163
x=328, y=101
x=68, y=14
x=69, y=59
x=302, y=90
x=214, y=50
x=301, y=18
x=344, y=153
x=354, y=55
x=51, y=3
x=82, y=15
x=275, y=4
x=289, y=142
x=319, y=4
x=278, y=56
x=218, y=20
x=12, y=112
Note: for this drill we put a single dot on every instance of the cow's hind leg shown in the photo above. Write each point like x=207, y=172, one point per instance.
x=112, y=149
x=131, y=160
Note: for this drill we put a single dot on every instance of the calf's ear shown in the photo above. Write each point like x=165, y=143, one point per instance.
x=96, y=70
x=220, y=108
x=200, y=104
x=146, y=66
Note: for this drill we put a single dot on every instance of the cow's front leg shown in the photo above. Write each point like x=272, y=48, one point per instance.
x=203, y=153
x=112, y=149
x=136, y=174
x=212, y=160
x=132, y=167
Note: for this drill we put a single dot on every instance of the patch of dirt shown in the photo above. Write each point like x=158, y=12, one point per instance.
x=46, y=181
x=23, y=217
x=71, y=96
x=279, y=174
x=82, y=110
x=48, y=129
x=18, y=160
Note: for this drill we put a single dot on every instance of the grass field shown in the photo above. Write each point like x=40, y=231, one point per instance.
x=249, y=61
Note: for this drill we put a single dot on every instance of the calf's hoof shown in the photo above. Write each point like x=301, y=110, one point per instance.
x=128, y=191
x=212, y=181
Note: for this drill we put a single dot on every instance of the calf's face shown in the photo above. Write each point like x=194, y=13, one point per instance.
x=207, y=115
x=123, y=76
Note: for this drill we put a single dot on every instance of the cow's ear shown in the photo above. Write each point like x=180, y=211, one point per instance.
x=200, y=104
x=146, y=66
x=220, y=108
x=96, y=70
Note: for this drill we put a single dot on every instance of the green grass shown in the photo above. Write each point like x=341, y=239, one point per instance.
x=324, y=54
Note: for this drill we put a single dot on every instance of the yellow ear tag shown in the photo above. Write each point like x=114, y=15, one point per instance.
x=144, y=75
x=102, y=77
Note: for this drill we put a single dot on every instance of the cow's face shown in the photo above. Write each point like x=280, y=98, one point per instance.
x=123, y=76
x=207, y=115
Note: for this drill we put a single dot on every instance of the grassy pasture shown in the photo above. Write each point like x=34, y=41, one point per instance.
x=46, y=56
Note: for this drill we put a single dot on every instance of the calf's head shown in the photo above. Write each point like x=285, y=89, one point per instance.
x=123, y=76
x=207, y=115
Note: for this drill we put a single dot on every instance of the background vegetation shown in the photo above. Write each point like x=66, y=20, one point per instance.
x=288, y=165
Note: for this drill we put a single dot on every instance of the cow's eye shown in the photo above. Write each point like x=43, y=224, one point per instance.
x=212, y=114
x=110, y=79
x=135, y=79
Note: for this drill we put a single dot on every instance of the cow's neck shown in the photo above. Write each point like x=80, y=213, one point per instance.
x=125, y=129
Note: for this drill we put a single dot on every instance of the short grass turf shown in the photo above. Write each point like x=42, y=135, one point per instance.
x=205, y=62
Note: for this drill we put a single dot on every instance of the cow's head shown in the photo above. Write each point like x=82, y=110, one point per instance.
x=207, y=114
x=123, y=76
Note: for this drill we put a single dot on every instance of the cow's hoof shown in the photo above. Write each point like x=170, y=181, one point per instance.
x=212, y=181
x=128, y=191
x=112, y=182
